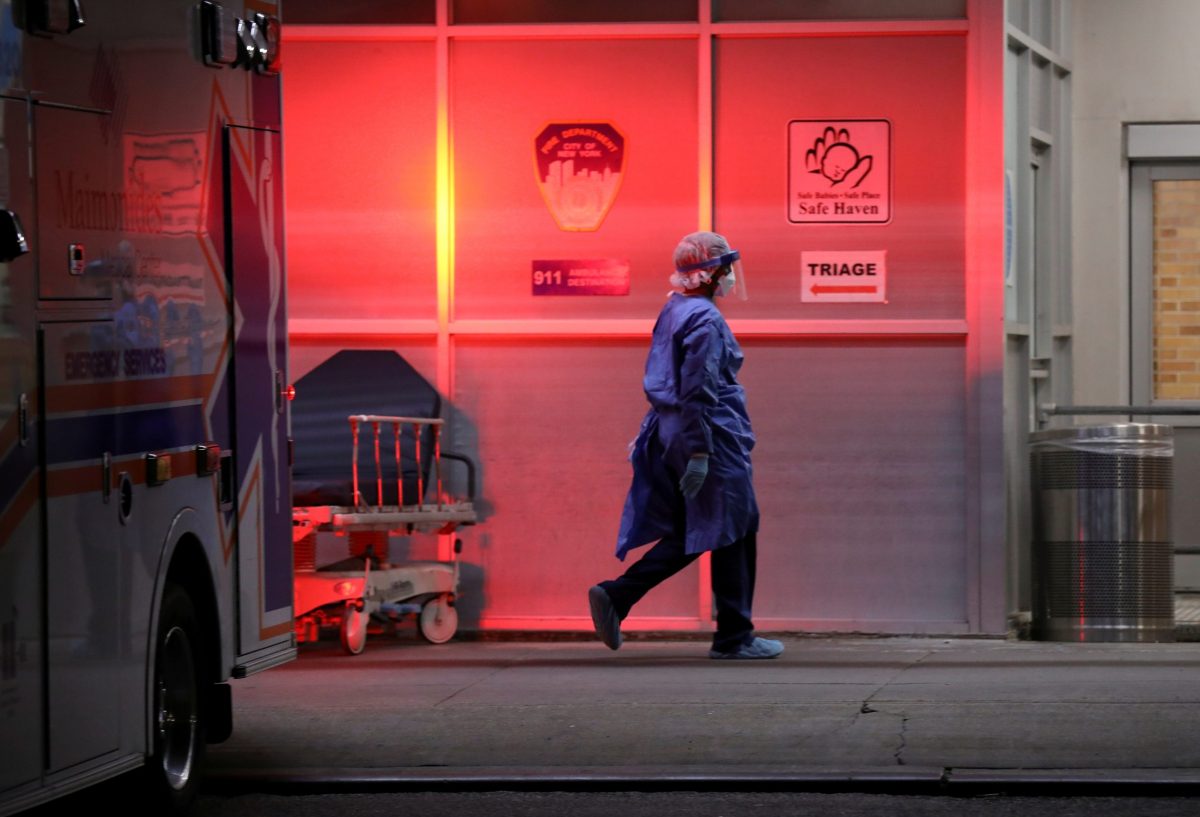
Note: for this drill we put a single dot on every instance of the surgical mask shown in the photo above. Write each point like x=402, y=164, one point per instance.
x=726, y=283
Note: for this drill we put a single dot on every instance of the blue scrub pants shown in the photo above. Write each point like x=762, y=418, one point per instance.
x=732, y=584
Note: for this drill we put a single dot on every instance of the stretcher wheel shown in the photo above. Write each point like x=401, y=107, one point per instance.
x=439, y=620
x=354, y=629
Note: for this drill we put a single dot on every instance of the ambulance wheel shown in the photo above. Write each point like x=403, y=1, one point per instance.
x=173, y=768
x=354, y=629
x=439, y=620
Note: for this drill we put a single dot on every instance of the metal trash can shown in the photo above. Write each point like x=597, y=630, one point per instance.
x=1103, y=559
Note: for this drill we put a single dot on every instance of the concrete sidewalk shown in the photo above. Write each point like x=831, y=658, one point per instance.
x=886, y=709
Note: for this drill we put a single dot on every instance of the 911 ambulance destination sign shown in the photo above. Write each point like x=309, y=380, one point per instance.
x=857, y=276
x=593, y=276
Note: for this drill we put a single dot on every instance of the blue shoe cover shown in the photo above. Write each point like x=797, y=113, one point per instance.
x=758, y=648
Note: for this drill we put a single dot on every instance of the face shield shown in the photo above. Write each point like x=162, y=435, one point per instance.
x=730, y=283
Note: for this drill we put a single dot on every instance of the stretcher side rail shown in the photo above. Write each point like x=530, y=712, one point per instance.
x=441, y=515
x=386, y=518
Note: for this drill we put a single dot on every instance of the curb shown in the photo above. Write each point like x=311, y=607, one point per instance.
x=963, y=782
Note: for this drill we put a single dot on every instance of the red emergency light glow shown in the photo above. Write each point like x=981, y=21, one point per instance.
x=452, y=287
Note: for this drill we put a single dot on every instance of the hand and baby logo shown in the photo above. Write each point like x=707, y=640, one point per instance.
x=836, y=159
x=838, y=171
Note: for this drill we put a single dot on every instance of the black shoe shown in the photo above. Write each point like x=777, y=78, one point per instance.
x=604, y=617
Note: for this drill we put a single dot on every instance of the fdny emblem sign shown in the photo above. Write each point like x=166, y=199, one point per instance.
x=579, y=168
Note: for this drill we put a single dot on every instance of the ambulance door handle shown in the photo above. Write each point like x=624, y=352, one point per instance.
x=106, y=476
x=23, y=419
x=281, y=392
x=12, y=237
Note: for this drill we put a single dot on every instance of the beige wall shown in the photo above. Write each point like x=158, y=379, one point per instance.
x=1133, y=62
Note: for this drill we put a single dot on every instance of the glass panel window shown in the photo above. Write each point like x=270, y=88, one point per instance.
x=360, y=12
x=1176, y=289
x=571, y=192
x=360, y=161
x=734, y=10
x=556, y=11
x=883, y=239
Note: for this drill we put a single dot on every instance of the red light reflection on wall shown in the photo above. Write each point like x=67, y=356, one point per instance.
x=360, y=168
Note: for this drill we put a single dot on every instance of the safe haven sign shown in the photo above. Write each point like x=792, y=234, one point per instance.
x=843, y=277
x=839, y=171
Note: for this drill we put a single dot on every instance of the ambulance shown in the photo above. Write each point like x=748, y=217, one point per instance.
x=145, y=498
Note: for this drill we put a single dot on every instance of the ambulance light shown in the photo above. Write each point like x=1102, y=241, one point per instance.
x=158, y=468
x=208, y=459
x=251, y=42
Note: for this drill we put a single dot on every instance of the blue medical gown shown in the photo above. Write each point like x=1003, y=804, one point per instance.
x=697, y=406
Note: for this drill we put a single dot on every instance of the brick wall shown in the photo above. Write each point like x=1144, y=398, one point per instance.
x=1177, y=290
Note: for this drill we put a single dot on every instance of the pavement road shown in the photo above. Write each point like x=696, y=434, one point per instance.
x=838, y=726
x=908, y=708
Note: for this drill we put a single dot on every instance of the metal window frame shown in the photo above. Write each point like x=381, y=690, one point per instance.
x=978, y=331
x=1038, y=326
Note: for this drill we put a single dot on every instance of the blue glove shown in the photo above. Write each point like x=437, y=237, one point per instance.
x=693, y=477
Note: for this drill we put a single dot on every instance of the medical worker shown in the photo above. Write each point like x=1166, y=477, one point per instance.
x=692, y=487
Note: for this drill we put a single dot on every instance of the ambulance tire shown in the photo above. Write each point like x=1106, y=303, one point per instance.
x=173, y=768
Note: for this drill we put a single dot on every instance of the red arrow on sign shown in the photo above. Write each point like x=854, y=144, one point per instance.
x=817, y=289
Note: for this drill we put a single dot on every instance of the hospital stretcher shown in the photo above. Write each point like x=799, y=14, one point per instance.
x=352, y=593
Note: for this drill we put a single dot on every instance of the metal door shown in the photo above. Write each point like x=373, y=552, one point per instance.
x=254, y=207
x=21, y=660
x=1038, y=332
x=80, y=266
x=84, y=558
x=1165, y=330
